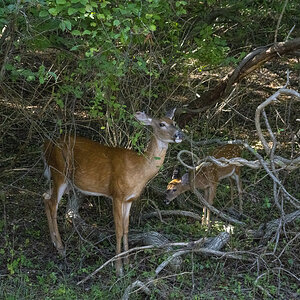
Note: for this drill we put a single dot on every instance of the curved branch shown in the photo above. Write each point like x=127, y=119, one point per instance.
x=261, y=108
x=252, y=164
x=216, y=211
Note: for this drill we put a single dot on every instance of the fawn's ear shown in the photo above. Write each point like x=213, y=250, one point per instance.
x=142, y=117
x=170, y=113
x=185, y=179
x=176, y=173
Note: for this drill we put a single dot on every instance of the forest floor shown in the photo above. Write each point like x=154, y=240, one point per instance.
x=30, y=268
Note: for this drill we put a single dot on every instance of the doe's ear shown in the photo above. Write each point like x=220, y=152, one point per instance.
x=185, y=179
x=170, y=113
x=142, y=117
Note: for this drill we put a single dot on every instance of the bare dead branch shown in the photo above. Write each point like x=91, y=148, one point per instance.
x=270, y=166
x=172, y=213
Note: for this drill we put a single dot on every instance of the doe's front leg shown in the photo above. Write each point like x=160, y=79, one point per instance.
x=126, y=213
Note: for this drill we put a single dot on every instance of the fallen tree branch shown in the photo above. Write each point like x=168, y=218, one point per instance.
x=136, y=249
x=208, y=246
x=112, y=260
x=265, y=231
x=157, y=240
x=135, y=284
x=173, y=213
x=250, y=63
x=211, y=249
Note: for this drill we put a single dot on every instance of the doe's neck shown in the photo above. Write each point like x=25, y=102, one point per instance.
x=156, y=151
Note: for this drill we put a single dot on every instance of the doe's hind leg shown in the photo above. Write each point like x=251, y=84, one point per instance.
x=51, y=200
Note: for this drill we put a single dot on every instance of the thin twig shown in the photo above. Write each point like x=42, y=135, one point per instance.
x=279, y=21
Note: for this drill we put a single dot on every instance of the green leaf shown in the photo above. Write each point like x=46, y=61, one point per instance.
x=9, y=67
x=116, y=23
x=152, y=27
x=75, y=1
x=53, y=75
x=180, y=3
x=68, y=24
x=100, y=16
x=76, y=32
x=17, y=58
x=124, y=37
x=86, y=32
x=53, y=11
x=60, y=103
x=81, y=10
x=72, y=11
x=74, y=48
x=61, y=1
x=88, y=8
x=62, y=25
x=30, y=78
x=43, y=13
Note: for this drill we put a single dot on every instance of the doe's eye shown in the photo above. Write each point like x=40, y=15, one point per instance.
x=162, y=124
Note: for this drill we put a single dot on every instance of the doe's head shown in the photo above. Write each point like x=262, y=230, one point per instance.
x=164, y=128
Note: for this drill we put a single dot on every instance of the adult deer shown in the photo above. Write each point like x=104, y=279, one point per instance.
x=95, y=169
x=207, y=178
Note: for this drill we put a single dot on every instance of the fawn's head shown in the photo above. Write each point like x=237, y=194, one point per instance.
x=176, y=186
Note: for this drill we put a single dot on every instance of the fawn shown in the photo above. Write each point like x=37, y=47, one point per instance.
x=207, y=178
